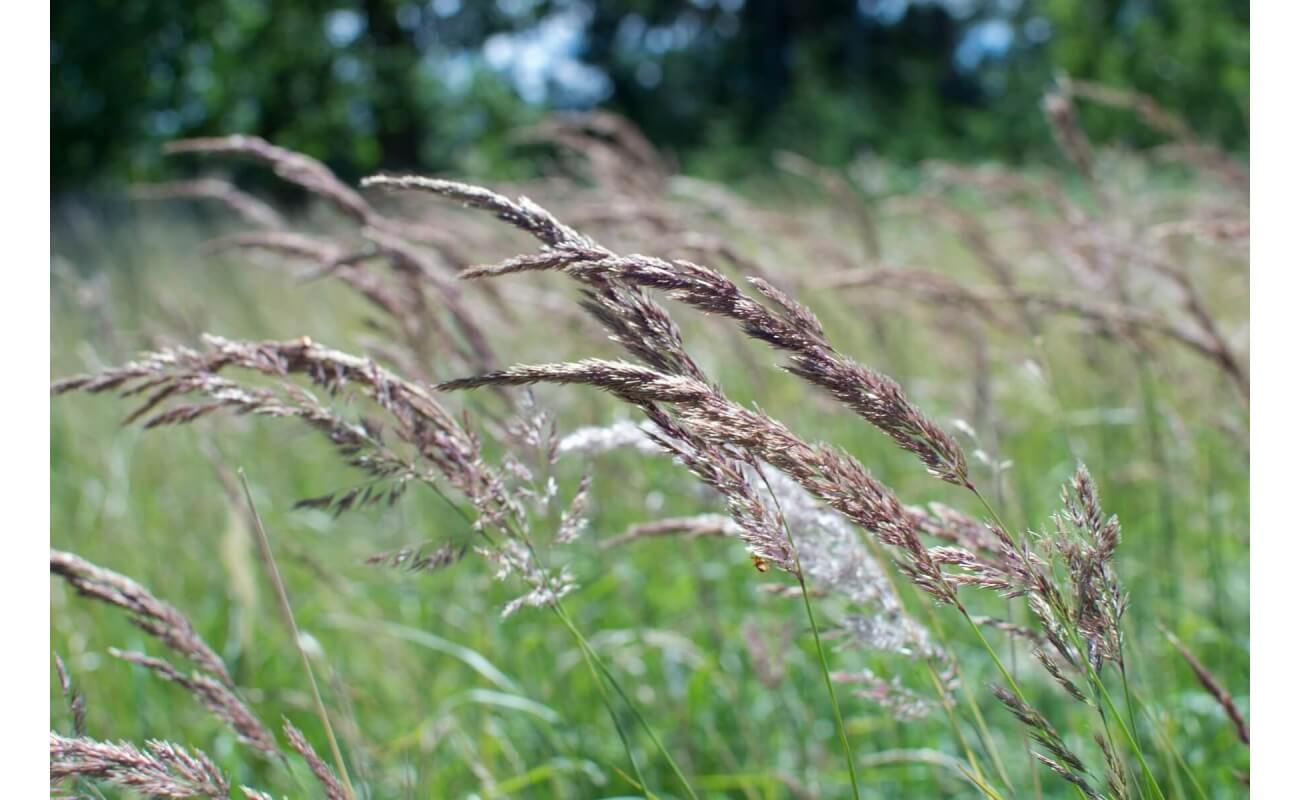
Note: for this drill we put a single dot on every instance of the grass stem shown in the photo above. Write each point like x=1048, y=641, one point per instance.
x=817, y=640
x=286, y=612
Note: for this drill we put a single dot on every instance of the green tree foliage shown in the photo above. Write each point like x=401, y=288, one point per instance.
x=370, y=84
x=363, y=86
x=1191, y=56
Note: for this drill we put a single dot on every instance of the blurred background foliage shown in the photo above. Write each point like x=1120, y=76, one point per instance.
x=718, y=84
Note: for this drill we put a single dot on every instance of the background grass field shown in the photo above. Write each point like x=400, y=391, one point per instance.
x=436, y=696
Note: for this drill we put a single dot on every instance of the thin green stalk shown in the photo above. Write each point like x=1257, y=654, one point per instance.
x=636, y=712
x=1105, y=721
x=1024, y=734
x=286, y=610
x=997, y=520
x=976, y=776
x=1006, y=674
x=985, y=735
x=1099, y=688
x=830, y=685
x=980, y=783
x=587, y=654
x=1169, y=746
x=946, y=703
x=1128, y=734
x=817, y=640
x=594, y=658
x=1128, y=694
x=999, y=495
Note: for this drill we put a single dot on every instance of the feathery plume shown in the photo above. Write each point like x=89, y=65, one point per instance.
x=830, y=475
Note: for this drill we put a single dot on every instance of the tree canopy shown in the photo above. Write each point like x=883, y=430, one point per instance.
x=719, y=84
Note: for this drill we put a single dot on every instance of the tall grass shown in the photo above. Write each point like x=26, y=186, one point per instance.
x=984, y=627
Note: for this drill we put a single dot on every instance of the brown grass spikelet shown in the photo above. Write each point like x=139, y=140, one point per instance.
x=75, y=700
x=297, y=168
x=150, y=614
x=793, y=329
x=418, y=558
x=1063, y=117
x=833, y=476
x=244, y=205
x=1099, y=600
x=1213, y=686
x=434, y=434
x=1190, y=146
x=213, y=695
x=1058, y=674
x=606, y=149
x=1116, y=773
x=324, y=775
x=523, y=214
x=160, y=769
x=1059, y=758
x=416, y=439
x=700, y=525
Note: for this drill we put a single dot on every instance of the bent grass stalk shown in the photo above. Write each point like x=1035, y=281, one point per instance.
x=817, y=640
x=974, y=774
x=286, y=610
